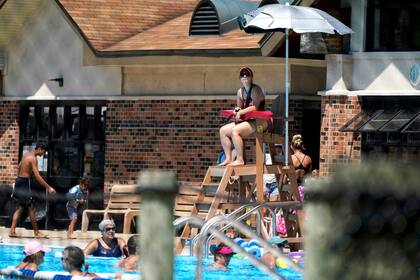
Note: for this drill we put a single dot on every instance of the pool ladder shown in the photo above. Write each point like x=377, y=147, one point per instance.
x=210, y=227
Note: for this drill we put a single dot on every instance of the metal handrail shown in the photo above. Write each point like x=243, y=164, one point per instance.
x=209, y=227
x=268, y=205
x=194, y=240
x=197, y=221
x=244, y=216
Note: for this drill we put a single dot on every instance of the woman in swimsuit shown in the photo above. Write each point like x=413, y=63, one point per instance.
x=301, y=161
x=250, y=97
x=73, y=259
x=108, y=245
x=34, y=256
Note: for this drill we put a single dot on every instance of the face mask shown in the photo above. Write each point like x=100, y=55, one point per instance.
x=247, y=87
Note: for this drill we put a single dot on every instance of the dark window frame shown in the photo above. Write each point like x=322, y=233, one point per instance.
x=407, y=127
x=371, y=114
x=382, y=14
x=25, y=140
x=406, y=121
x=378, y=117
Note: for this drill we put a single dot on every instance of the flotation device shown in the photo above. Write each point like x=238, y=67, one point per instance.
x=261, y=115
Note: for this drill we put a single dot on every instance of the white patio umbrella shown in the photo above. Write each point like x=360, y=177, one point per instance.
x=278, y=17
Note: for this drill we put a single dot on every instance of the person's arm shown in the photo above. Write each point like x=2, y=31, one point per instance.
x=239, y=100
x=309, y=164
x=38, y=177
x=123, y=246
x=91, y=247
x=72, y=194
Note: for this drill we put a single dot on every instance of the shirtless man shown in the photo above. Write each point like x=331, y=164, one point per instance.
x=22, y=192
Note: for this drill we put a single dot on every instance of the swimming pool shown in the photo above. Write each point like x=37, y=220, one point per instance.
x=240, y=269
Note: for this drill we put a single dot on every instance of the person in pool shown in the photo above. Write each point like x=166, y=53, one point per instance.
x=34, y=255
x=73, y=259
x=268, y=258
x=222, y=255
x=131, y=262
x=108, y=245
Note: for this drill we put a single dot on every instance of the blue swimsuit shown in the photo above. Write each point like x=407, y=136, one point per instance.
x=114, y=252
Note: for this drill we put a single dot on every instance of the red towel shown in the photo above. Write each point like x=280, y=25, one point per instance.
x=261, y=115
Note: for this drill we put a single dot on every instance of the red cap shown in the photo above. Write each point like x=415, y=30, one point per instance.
x=245, y=72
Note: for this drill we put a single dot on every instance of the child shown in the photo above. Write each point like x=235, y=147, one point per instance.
x=130, y=263
x=34, y=256
x=76, y=195
x=73, y=260
x=222, y=255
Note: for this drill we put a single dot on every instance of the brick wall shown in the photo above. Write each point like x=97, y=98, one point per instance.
x=179, y=135
x=9, y=141
x=338, y=147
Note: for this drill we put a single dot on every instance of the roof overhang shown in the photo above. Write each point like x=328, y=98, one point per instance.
x=197, y=60
x=13, y=15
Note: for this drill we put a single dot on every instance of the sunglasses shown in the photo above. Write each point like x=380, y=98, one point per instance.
x=109, y=229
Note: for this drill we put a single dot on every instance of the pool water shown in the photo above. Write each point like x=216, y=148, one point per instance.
x=239, y=269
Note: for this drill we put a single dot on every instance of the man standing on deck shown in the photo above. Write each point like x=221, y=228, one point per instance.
x=22, y=192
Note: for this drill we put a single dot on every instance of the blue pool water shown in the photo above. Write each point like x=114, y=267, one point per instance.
x=239, y=269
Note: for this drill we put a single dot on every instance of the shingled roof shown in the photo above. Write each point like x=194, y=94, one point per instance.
x=106, y=22
x=174, y=35
x=112, y=27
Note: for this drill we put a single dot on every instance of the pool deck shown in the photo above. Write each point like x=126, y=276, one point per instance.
x=57, y=238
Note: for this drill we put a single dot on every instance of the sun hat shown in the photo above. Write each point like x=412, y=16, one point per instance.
x=34, y=247
x=105, y=223
x=277, y=240
x=221, y=249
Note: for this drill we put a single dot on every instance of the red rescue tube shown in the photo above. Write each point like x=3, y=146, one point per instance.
x=261, y=115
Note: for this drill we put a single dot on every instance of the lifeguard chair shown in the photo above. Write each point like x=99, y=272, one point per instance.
x=220, y=182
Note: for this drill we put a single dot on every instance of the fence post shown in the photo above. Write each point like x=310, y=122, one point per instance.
x=363, y=223
x=157, y=190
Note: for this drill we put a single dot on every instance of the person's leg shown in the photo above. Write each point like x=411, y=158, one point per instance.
x=240, y=130
x=15, y=220
x=225, y=135
x=32, y=218
x=71, y=228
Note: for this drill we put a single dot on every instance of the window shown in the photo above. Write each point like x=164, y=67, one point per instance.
x=413, y=126
x=391, y=120
x=59, y=127
x=393, y=25
x=76, y=134
x=400, y=120
x=360, y=119
x=378, y=121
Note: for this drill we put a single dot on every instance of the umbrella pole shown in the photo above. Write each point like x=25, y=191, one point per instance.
x=286, y=100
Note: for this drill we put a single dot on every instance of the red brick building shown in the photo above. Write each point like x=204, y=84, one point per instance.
x=123, y=86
